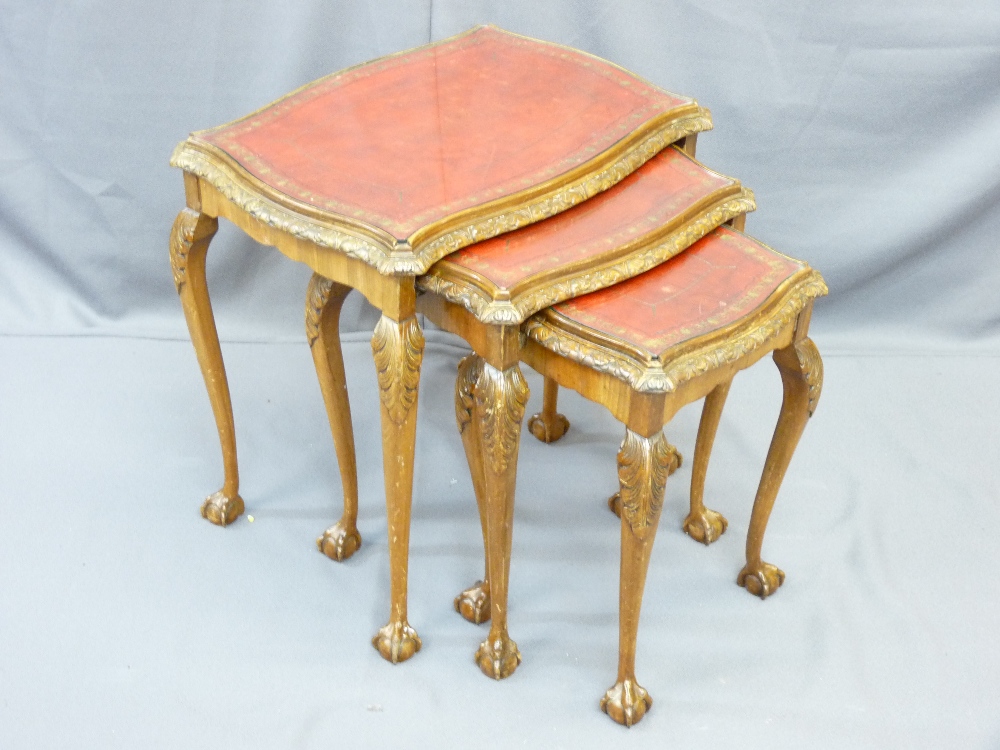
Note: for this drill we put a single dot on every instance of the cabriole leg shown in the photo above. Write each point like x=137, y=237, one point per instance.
x=704, y=525
x=473, y=603
x=548, y=425
x=192, y=232
x=643, y=466
x=500, y=398
x=398, y=349
x=802, y=378
x=324, y=300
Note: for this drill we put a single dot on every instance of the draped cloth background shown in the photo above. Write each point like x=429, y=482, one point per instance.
x=869, y=133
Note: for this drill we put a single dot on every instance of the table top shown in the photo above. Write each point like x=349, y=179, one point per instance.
x=423, y=152
x=724, y=296
x=651, y=215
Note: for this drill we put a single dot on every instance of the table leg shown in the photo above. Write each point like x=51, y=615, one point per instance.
x=500, y=399
x=643, y=467
x=548, y=425
x=802, y=378
x=704, y=525
x=397, y=348
x=473, y=603
x=189, y=239
x=324, y=300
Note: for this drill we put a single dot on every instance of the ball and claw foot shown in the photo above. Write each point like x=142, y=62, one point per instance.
x=222, y=510
x=498, y=658
x=474, y=603
x=761, y=580
x=627, y=702
x=705, y=527
x=339, y=541
x=548, y=431
x=396, y=641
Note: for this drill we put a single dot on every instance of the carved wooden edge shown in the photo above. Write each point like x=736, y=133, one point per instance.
x=236, y=188
x=469, y=370
x=643, y=466
x=500, y=397
x=664, y=374
x=189, y=226
x=515, y=311
x=316, y=297
x=397, y=349
x=399, y=259
x=568, y=195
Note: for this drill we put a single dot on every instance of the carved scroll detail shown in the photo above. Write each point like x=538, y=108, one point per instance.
x=181, y=239
x=643, y=466
x=469, y=370
x=398, y=350
x=189, y=227
x=501, y=398
x=316, y=297
x=811, y=365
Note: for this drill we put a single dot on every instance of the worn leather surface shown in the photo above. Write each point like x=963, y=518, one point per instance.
x=407, y=140
x=653, y=196
x=723, y=277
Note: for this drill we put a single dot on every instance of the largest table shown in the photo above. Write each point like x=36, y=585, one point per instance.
x=372, y=174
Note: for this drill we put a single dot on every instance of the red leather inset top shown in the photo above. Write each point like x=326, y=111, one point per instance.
x=715, y=282
x=407, y=140
x=656, y=193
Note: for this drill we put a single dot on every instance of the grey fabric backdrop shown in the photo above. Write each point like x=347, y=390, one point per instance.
x=869, y=132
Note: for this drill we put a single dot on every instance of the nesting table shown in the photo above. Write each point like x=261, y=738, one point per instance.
x=546, y=206
x=372, y=174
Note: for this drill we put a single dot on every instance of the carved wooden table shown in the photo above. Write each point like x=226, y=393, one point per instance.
x=485, y=292
x=371, y=175
x=643, y=349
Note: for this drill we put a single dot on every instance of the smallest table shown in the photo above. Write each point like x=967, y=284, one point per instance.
x=646, y=347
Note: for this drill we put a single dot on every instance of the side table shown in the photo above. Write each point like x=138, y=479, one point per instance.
x=372, y=174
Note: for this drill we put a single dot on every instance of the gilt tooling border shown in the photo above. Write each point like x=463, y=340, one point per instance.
x=494, y=306
x=415, y=255
x=664, y=372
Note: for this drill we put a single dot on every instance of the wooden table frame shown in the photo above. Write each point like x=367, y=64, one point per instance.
x=644, y=393
x=397, y=345
x=214, y=191
x=363, y=252
x=494, y=332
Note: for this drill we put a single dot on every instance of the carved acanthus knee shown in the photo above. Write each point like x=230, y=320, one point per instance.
x=190, y=227
x=643, y=467
x=398, y=350
x=500, y=398
x=323, y=297
x=802, y=360
x=469, y=370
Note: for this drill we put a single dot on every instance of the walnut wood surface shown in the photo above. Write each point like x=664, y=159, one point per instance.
x=644, y=461
x=324, y=300
x=189, y=240
x=397, y=348
x=370, y=175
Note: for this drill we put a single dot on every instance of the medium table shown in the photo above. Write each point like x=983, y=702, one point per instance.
x=372, y=174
